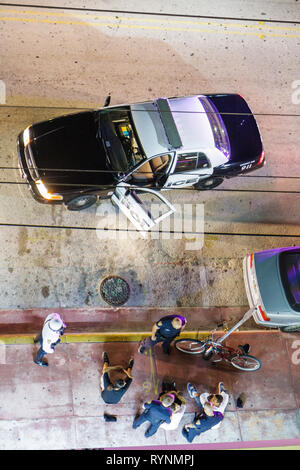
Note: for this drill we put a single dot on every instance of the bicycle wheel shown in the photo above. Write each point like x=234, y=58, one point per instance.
x=190, y=346
x=245, y=362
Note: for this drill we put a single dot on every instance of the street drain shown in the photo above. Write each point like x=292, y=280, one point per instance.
x=114, y=290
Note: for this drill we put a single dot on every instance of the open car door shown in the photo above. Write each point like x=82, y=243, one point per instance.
x=126, y=198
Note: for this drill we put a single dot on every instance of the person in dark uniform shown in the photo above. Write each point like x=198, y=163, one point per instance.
x=156, y=412
x=115, y=380
x=164, y=331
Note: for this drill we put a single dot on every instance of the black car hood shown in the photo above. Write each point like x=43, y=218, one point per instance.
x=243, y=133
x=70, y=143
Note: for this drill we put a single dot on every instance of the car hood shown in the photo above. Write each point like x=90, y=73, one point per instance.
x=70, y=143
x=269, y=282
x=245, y=140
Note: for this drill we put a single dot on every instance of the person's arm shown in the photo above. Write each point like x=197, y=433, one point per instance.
x=168, y=417
x=203, y=398
x=155, y=327
x=105, y=382
x=224, y=403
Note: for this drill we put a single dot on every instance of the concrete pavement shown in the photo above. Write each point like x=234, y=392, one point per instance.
x=60, y=407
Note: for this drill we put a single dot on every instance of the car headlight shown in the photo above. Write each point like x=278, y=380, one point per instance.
x=45, y=193
x=26, y=136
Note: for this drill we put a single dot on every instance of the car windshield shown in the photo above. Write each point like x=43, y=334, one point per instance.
x=116, y=129
x=290, y=274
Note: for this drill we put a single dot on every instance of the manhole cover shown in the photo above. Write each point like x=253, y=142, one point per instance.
x=114, y=290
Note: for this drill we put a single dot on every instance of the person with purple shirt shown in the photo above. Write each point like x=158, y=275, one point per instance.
x=164, y=331
x=203, y=421
x=156, y=412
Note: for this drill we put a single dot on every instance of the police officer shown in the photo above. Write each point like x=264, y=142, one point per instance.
x=52, y=330
x=156, y=412
x=164, y=331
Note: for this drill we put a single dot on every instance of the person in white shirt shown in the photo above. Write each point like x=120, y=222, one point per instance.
x=49, y=337
x=218, y=401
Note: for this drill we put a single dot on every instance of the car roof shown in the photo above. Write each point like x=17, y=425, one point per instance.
x=190, y=119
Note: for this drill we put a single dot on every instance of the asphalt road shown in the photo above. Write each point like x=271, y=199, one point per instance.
x=55, y=61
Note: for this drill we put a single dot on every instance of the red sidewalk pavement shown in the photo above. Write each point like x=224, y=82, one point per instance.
x=127, y=319
x=60, y=407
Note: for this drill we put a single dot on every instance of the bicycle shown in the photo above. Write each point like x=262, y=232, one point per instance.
x=238, y=358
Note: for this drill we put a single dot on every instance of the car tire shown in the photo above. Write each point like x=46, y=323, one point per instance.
x=81, y=202
x=290, y=329
x=209, y=183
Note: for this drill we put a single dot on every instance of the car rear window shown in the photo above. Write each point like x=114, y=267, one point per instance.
x=289, y=264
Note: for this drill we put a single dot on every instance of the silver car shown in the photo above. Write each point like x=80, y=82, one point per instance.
x=272, y=282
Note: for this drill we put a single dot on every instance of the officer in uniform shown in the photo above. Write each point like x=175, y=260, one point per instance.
x=164, y=331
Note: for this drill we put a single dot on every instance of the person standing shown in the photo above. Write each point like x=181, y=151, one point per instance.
x=156, y=412
x=53, y=329
x=164, y=331
x=115, y=380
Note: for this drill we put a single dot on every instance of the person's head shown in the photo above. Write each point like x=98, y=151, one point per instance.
x=215, y=399
x=56, y=323
x=167, y=399
x=177, y=323
x=120, y=383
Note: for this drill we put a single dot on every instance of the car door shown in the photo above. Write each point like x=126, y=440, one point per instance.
x=189, y=168
x=126, y=198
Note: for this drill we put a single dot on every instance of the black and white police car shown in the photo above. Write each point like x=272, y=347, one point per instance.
x=121, y=151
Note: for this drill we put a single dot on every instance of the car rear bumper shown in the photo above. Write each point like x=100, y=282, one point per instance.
x=249, y=281
x=275, y=321
x=229, y=170
x=246, y=274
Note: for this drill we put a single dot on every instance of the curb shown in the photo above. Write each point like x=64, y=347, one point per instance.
x=96, y=337
x=134, y=337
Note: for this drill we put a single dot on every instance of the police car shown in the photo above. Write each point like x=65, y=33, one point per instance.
x=126, y=150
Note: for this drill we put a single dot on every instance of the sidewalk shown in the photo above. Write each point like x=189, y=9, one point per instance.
x=119, y=320
x=60, y=407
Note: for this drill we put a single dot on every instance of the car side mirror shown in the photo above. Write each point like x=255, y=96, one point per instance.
x=107, y=101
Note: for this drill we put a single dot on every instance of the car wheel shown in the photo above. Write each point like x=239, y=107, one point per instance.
x=210, y=183
x=82, y=202
x=290, y=329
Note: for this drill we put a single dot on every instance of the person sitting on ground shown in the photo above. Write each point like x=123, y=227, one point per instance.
x=115, y=380
x=203, y=421
x=218, y=401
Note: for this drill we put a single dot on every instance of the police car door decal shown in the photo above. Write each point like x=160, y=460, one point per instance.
x=188, y=169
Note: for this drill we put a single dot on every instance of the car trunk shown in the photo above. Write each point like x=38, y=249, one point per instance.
x=243, y=133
